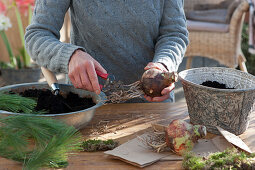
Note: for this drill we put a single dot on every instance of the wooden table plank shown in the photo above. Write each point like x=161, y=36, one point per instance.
x=123, y=122
x=102, y=162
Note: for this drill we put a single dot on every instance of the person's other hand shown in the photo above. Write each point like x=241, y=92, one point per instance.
x=82, y=71
x=165, y=92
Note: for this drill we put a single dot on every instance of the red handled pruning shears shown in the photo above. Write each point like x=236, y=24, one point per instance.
x=110, y=79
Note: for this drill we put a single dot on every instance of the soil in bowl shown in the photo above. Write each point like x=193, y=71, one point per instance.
x=57, y=104
x=215, y=84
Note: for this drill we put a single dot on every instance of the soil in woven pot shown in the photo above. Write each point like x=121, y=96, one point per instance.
x=58, y=104
x=215, y=84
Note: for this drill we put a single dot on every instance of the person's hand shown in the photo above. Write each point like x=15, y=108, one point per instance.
x=82, y=71
x=165, y=92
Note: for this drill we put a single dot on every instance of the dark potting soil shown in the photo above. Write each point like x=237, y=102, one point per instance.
x=46, y=100
x=215, y=84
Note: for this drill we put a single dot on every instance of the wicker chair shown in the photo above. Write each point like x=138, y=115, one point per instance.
x=224, y=47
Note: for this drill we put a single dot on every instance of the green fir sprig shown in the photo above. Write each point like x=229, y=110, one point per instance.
x=37, y=142
x=16, y=104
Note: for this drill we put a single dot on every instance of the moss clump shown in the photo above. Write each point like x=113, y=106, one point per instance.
x=193, y=162
x=98, y=145
x=228, y=159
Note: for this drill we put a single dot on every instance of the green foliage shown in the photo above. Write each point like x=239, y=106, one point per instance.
x=245, y=46
x=17, y=104
x=98, y=145
x=37, y=142
x=228, y=159
x=5, y=65
x=16, y=62
x=193, y=162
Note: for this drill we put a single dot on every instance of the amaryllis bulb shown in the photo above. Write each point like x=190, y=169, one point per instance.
x=153, y=81
x=182, y=136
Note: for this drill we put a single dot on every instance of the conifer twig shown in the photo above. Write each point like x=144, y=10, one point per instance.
x=16, y=104
x=50, y=141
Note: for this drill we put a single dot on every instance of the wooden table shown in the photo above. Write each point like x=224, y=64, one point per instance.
x=123, y=122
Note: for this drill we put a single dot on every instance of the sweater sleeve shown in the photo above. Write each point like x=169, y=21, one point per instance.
x=173, y=35
x=43, y=34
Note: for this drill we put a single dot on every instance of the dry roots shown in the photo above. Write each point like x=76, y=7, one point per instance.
x=118, y=92
x=155, y=140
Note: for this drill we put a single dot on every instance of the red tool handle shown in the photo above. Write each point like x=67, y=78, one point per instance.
x=102, y=75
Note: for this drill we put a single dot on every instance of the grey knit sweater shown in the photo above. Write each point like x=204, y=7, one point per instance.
x=122, y=35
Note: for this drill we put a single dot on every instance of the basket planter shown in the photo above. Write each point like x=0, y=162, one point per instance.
x=227, y=108
x=17, y=76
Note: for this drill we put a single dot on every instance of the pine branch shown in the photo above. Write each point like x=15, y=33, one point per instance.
x=12, y=144
x=15, y=103
x=52, y=141
x=55, y=151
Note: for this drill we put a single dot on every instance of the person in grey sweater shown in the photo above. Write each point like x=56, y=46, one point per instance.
x=124, y=37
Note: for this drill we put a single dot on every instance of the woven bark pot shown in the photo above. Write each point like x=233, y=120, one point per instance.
x=211, y=107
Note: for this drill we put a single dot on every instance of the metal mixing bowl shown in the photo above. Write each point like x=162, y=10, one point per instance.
x=78, y=119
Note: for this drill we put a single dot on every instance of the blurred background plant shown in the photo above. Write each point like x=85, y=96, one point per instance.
x=250, y=63
x=21, y=7
x=5, y=24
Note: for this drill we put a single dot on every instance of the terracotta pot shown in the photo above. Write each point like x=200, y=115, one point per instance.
x=13, y=76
